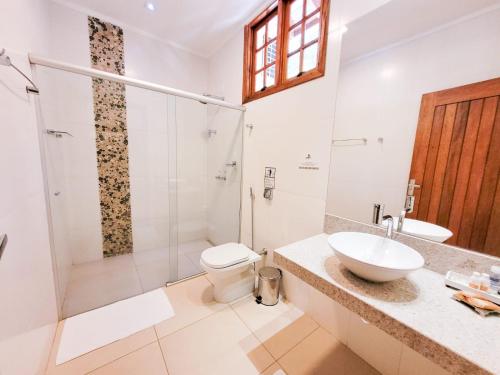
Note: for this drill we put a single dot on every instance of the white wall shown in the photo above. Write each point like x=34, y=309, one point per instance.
x=288, y=126
x=27, y=294
x=379, y=96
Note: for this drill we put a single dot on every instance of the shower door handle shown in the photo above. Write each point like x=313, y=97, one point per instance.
x=58, y=133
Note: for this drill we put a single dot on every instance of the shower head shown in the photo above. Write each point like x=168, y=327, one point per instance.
x=4, y=59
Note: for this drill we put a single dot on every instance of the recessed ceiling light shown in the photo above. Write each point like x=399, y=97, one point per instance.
x=149, y=5
x=387, y=73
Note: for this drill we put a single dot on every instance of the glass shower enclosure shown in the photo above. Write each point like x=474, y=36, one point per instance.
x=138, y=182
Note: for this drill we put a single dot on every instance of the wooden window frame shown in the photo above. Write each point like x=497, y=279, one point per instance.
x=282, y=9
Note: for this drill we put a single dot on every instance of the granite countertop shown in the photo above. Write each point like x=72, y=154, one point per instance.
x=417, y=310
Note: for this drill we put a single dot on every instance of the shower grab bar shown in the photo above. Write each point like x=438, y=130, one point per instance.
x=95, y=73
x=58, y=133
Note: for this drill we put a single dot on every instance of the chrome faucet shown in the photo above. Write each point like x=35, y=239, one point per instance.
x=401, y=219
x=390, y=224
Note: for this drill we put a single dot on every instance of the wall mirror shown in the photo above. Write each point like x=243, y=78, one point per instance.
x=417, y=121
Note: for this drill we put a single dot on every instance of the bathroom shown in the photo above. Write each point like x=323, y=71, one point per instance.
x=156, y=155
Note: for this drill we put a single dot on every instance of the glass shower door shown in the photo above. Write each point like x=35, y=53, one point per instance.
x=107, y=164
x=208, y=180
x=139, y=183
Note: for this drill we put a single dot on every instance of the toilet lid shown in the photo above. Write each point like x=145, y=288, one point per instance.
x=225, y=255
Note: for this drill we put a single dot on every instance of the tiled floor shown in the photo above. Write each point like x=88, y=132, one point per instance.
x=205, y=337
x=99, y=283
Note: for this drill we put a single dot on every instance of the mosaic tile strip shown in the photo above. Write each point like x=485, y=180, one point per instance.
x=110, y=112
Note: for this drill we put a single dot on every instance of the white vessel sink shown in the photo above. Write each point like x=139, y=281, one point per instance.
x=373, y=257
x=423, y=229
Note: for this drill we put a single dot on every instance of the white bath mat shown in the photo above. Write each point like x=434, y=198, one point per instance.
x=91, y=330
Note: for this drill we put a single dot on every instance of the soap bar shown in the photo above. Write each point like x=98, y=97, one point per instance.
x=482, y=306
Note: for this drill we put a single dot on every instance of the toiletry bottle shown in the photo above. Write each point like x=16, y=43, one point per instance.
x=485, y=282
x=495, y=278
x=475, y=280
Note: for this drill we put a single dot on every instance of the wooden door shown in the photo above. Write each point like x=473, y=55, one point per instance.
x=456, y=160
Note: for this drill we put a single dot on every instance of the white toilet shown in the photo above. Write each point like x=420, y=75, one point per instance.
x=230, y=267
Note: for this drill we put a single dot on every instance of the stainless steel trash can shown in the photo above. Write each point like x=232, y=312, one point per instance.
x=268, y=291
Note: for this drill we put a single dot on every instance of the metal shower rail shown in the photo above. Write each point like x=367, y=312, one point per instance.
x=37, y=60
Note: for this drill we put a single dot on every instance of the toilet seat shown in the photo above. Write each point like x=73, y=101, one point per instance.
x=226, y=255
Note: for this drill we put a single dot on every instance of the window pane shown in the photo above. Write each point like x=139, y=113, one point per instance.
x=259, y=81
x=259, y=60
x=296, y=10
x=310, y=57
x=272, y=28
x=270, y=76
x=294, y=39
x=271, y=53
x=312, y=5
x=260, y=38
x=293, y=66
x=311, y=29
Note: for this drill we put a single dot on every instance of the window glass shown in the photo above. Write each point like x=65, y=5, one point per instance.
x=312, y=5
x=312, y=29
x=272, y=28
x=270, y=76
x=294, y=39
x=271, y=53
x=310, y=57
x=293, y=67
x=260, y=39
x=259, y=81
x=296, y=11
x=259, y=60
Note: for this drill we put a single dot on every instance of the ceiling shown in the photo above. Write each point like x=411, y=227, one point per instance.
x=200, y=26
x=398, y=20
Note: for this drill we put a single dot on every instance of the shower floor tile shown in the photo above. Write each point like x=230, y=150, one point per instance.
x=96, y=284
x=88, y=293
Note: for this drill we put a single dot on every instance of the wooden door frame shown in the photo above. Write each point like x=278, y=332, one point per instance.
x=430, y=101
